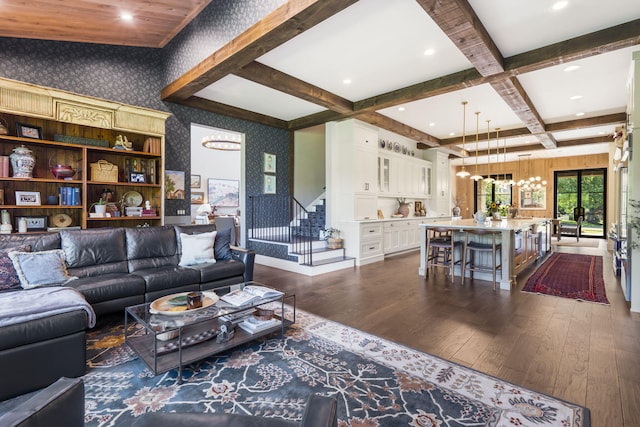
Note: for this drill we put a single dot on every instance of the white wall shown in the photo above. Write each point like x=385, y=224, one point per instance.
x=214, y=164
x=309, y=165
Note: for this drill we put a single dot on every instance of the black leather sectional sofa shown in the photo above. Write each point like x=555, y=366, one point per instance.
x=116, y=268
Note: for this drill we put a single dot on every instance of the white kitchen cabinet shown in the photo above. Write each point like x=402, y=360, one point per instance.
x=363, y=240
x=441, y=172
x=352, y=170
x=401, y=235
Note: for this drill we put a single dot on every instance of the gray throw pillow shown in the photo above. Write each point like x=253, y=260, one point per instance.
x=222, y=245
x=45, y=268
x=9, y=279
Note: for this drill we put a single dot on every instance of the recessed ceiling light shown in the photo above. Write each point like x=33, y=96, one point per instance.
x=126, y=16
x=401, y=108
x=452, y=134
x=575, y=97
x=571, y=68
x=429, y=52
x=560, y=5
x=432, y=124
x=347, y=81
x=579, y=114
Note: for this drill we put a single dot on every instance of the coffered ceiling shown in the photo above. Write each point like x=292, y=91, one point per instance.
x=411, y=63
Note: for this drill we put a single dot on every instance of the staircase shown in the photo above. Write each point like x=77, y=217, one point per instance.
x=295, y=245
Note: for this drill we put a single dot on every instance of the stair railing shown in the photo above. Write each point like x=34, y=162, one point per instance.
x=274, y=218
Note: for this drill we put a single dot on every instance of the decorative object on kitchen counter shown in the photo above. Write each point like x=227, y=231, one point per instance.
x=403, y=207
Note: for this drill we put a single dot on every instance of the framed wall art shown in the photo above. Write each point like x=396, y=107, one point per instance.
x=269, y=163
x=533, y=198
x=269, y=184
x=197, y=197
x=196, y=181
x=174, y=184
x=223, y=192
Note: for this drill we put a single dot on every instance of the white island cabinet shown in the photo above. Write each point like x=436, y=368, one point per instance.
x=518, y=236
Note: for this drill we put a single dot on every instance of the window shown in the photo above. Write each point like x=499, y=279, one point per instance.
x=486, y=192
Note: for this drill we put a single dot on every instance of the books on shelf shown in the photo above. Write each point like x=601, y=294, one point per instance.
x=238, y=316
x=69, y=196
x=252, y=325
x=250, y=294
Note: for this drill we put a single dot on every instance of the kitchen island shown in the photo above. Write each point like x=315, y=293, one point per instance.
x=523, y=241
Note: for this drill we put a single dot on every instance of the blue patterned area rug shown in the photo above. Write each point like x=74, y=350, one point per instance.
x=376, y=383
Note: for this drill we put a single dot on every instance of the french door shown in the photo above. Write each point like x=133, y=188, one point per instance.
x=586, y=189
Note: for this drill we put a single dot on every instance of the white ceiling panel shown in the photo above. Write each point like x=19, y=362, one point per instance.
x=441, y=115
x=241, y=93
x=601, y=81
x=378, y=44
x=518, y=26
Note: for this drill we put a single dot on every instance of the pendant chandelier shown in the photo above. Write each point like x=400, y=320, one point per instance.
x=225, y=141
x=476, y=176
x=533, y=183
x=463, y=172
x=488, y=178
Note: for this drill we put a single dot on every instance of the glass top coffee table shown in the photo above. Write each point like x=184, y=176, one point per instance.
x=169, y=337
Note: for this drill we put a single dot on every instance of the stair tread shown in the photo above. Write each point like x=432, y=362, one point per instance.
x=332, y=260
x=316, y=251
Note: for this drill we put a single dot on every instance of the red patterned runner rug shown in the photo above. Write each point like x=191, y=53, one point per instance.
x=569, y=276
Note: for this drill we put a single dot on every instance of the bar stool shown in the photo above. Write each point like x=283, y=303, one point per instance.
x=493, y=248
x=441, y=249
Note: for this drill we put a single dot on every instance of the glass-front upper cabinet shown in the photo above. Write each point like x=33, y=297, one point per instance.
x=384, y=172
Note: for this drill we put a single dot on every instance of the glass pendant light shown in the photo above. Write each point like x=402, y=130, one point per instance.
x=476, y=176
x=463, y=172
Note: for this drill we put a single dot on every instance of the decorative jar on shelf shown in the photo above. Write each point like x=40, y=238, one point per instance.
x=22, y=162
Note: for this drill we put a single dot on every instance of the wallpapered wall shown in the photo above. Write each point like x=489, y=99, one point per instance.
x=135, y=76
x=220, y=22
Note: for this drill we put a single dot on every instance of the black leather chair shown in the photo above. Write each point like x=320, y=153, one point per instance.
x=319, y=412
x=60, y=404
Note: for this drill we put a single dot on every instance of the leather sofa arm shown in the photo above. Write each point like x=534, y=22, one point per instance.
x=60, y=404
x=247, y=257
x=320, y=411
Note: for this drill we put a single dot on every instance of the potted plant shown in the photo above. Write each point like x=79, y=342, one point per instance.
x=100, y=207
x=332, y=236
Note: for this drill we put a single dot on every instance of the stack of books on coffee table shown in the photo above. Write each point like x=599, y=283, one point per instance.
x=253, y=325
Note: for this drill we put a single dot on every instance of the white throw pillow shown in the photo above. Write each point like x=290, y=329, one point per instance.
x=197, y=248
x=45, y=268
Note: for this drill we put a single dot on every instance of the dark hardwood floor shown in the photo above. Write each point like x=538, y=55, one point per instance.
x=578, y=351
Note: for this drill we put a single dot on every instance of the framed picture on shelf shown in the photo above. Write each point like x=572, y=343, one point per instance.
x=269, y=163
x=223, y=192
x=27, y=198
x=137, y=177
x=34, y=223
x=28, y=131
x=197, y=197
x=195, y=181
x=269, y=184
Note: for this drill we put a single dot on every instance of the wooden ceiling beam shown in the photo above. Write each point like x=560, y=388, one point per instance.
x=460, y=23
x=270, y=77
x=228, y=110
x=389, y=124
x=588, y=122
x=280, y=26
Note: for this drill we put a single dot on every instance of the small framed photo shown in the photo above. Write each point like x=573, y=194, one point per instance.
x=269, y=163
x=197, y=197
x=196, y=181
x=137, y=177
x=269, y=184
x=34, y=223
x=27, y=198
x=28, y=131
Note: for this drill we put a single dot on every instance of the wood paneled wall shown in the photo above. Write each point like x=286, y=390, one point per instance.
x=545, y=168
